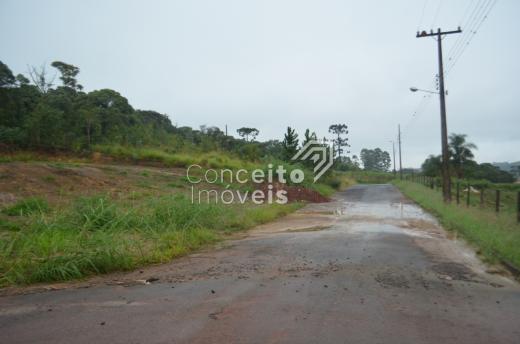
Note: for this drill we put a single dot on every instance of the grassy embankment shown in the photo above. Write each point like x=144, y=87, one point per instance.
x=140, y=217
x=98, y=235
x=495, y=236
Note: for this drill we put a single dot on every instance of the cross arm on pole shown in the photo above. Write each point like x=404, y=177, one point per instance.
x=438, y=33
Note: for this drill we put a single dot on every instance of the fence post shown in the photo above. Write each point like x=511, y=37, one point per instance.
x=497, y=201
x=518, y=206
x=482, y=197
x=458, y=192
x=467, y=195
x=431, y=183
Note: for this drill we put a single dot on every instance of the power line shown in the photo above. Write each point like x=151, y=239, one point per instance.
x=466, y=11
x=482, y=20
x=422, y=15
x=474, y=19
x=469, y=26
x=436, y=14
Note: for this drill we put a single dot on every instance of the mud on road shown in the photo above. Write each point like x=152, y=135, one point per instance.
x=369, y=267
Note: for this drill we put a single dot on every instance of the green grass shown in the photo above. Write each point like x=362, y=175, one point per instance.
x=370, y=177
x=98, y=235
x=177, y=159
x=27, y=206
x=495, y=236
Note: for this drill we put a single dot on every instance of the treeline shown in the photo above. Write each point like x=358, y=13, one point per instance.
x=463, y=166
x=38, y=115
x=35, y=113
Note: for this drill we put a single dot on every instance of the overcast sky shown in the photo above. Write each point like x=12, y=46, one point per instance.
x=273, y=64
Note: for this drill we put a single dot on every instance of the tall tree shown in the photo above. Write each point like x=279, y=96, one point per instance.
x=248, y=133
x=341, y=140
x=68, y=74
x=40, y=78
x=308, y=136
x=460, y=152
x=6, y=76
x=290, y=143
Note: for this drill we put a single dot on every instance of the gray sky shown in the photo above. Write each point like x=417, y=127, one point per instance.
x=271, y=64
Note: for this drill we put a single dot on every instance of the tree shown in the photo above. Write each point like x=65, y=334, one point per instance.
x=273, y=148
x=432, y=166
x=44, y=126
x=22, y=80
x=355, y=161
x=308, y=136
x=68, y=74
x=290, y=143
x=460, y=152
x=90, y=122
x=6, y=76
x=40, y=79
x=339, y=142
x=375, y=160
x=245, y=133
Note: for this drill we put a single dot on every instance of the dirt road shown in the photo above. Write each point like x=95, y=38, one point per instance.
x=368, y=268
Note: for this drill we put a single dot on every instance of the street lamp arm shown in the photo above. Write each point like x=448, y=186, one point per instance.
x=415, y=89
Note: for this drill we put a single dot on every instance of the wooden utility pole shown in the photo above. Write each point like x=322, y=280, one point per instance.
x=446, y=181
x=393, y=153
x=400, y=160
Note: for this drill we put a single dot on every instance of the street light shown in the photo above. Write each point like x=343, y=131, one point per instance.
x=415, y=89
x=446, y=181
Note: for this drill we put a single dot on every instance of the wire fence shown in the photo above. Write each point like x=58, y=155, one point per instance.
x=502, y=198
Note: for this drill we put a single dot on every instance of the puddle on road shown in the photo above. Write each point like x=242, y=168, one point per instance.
x=367, y=227
x=385, y=210
x=393, y=218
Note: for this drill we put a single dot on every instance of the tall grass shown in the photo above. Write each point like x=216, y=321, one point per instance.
x=496, y=236
x=98, y=235
x=370, y=177
x=177, y=159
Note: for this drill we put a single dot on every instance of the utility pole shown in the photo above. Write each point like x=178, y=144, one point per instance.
x=400, y=159
x=446, y=180
x=393, y=153
x=226, y=129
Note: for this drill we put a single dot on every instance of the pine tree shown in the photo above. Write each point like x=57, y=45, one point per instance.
x=290, y=143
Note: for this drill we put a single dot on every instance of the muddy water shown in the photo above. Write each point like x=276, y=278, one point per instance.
x=370, y=267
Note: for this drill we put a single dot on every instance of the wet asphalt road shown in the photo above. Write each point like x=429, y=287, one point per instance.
x=381, y=271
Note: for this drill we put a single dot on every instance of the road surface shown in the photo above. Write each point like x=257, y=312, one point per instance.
x=370, y=267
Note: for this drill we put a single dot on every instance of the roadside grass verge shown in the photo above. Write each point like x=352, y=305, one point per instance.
x=98, y=235
x=370, y=177
x=495, y=236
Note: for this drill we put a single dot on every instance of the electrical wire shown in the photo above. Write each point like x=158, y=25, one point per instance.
x=468, y=27
x=422, y=14
x=474, y=21
x=479, y=25
x=436, y=14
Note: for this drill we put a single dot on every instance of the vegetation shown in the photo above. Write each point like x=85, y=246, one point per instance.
x=290, y=144
x=98, y=235
x=495, y=236
x=370, y=177
x=41, y=240
x=340, y=142
x=463, y=165
x=375, y=160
